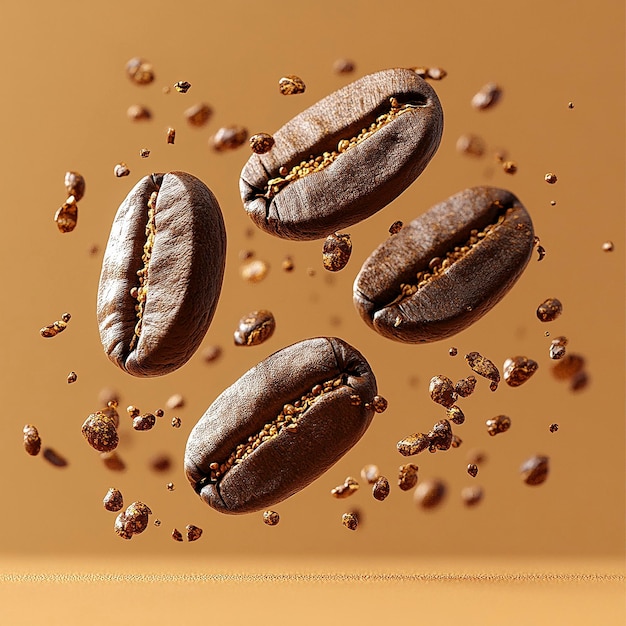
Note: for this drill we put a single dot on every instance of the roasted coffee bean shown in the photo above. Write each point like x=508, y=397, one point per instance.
x=344, y=158
x=244, y=454
x=75, y=185
x=198, y=115
x=193, y=532
x=517, y=370
x=487, y=96
x=441, y=391
x=261, y=143
x=336, y=252
x=370, y=474
x=413, y=444
x=32, y=441
x=549, y=310
x=100, y=432
x=430, y=493
x=271, y=518
x=447, y=268
x=113, y=500
x=534, y=470
x=229, y=138
x=380, y=490
x=407, y=476
x=54, y=458
x=161, y=274
x=350, y=521
x=498, y=424
x=471, y=496
x=139, y=71
x=255, y=328
x=484, y=367
x=291, y=85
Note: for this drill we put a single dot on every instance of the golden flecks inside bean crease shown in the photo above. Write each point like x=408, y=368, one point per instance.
x=317, y=163
x=286, y=420
x=141, y=293
x=438, y=265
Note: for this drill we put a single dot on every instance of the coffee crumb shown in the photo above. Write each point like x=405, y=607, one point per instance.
x=454, y=414
x=113, y=500
x=498, y=424
x=171, y=135
x=554, y=428
x=121, y=169
x=549, y=310
x=176, y=535
x=370, y=474
x=453, y=351
x=534, y=471
x=198, y=115
x=271, y=518
x=350, y=521
x=140, y=71
x=72, y=377
x=349, y=487
x=380, y=490
x=287, y=264
x=442, y=391
x=254, y=328
x=176, y=422
x=291, y=85
x=175, y=401
x=54, y=458
x=146, y=421
x=517, y=370
x=182, y=86
x=484, y=367
x=471, y=496
x=138, y=113
x=486, y=97
x=413, y=444
x=161, y=463
x=254, y=271
x=344, y=66
x=396, y=227
x=144, y=153
x=112, y=461
x=465, y=387
x=261, y=143
x=509, y=167
x=336, y=251
x=170, y=486
x=430, y=493
x=608, y=246
x=472, y=469
x=471, y=145
x=193, y=532
x=379, y=404
x=229, y=138
x=407, y=476
x=32, y=440
x=550, y=178
x=100, y=431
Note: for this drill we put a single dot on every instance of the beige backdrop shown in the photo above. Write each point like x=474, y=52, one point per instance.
x=63, y=106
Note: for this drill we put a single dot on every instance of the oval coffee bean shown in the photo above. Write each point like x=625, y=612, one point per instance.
x=281, y=425
x=161, y=274
x=447, y=268
x=344, y=158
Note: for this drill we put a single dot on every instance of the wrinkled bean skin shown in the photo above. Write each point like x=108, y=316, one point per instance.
x=462, y=293
x=281, y=466
x=185, y=274
x=363, y=179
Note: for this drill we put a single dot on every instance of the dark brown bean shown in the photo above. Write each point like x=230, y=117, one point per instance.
x=369, y=141
x=441, y=390
x=517, y=370
x=161, y=274
x=32, y=441
x=380, y=490
x=54, y=458
x=549, y=310
x=447, y=268
x=245, y=454
x=407, y=476
x=100, y=432
x=255, y=328
x=498, y=424
x=113, y=500
x=271, y=518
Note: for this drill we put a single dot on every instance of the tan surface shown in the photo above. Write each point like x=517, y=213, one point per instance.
x=63, y=102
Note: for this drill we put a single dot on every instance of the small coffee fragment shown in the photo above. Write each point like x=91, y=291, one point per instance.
x=144, y=153
x=413, y=444
x=432, y=73
x=159, y=413
x=350, y=521
x=453, y=351
x=144, y=422
x=229, y=138
x=52, y=330
x=407, y=476
x=54, y=458
x=171, y=135
x=484, y=367
x=255, y=328
x=32, y=440
x=74, y=185
x=550, y=178
x=568, y=366
x=110, y=410
x=182, y=86
x=261, y=143
x=456, y=441
x=254, y=271
x=380, y=490
x=517, y=370
x=66, y=216
x=161, y=463
x=157, y=522
x=121, y=169
x=175, y=401
x=379, y=404
x=112, y=461
x=140, y=71
x=454, y=414
x=549, y=310
x=193, y=532
x=541, y=252
x=472, y=469
x=210, y=354
x=396, y=227
x=291, y=85
x=336, y=251
x=534, y=470
x=509, y=167
x=72, y=378
x=176, y=422
x=430, y=493
x=198, y=115
x=138, y=113
x=370, y=474
x=440, y=436
x=271, y=518
x=100, y=432
x=472, y=145
x=106, y=395
x=177, y=535
x=287, y=264
x=343, y=66
x=465, y=387
x=554, y=428
x=442, y=391
x=471, y=496
x=349, y=486
x=579, y=381
x=170, y=486
x=608, y=246
x=132, y=411
x=113, y=500
x=487, y=96
x=498, y=424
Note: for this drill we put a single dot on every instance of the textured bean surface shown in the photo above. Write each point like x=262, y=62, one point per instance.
x=426, y=283
x=185, y=272
x=362, y=179
x=287, y=462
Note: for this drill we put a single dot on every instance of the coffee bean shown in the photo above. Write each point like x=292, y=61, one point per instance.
x=291, y=85
x=350, y=521
x=336, y=252
x=113, y=500
x=441, y=391
x=271, y=518
x=139, y=71
x=487, y=96
x=229, y=138
x=344, y=158
x=370, y=474
x=198, y=115
x=380, y=490
x=100, y=432
x=447, y=268
x=498, y=424
x=54, y=458
x=484, y=367
x=549, y=310
x=407, y=476
x=534, y=470
x=241, y=455
x=261, y=143
x=32, y=441
x=255, y=328
x=75, y=185
x=471, y=496
x=517, y=370
x=193, y=532
x=138, y=113
x=430, y=493
x=161, y=274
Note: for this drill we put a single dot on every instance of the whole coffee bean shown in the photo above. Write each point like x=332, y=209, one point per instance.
x=100, y=431
x=447, y=268
x=344, y=158
x=280, y=426
x=161, y=274
x=380, y=490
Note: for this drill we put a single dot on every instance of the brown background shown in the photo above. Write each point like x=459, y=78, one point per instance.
x=63, y=103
